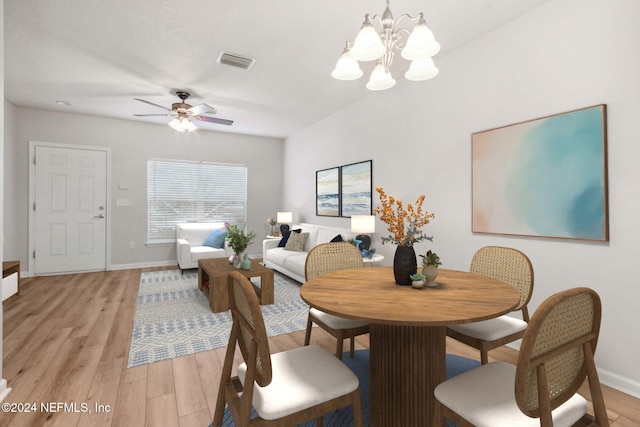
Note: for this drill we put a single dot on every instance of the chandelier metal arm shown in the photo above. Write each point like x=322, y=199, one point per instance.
x=390, y=30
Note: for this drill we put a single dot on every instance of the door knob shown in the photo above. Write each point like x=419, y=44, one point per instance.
x=99, y=216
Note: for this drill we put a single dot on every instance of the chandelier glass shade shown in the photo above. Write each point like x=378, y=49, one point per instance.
x=380, y=44
x=182, y=124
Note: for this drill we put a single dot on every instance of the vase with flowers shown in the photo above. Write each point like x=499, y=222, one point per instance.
x=238, y=241
x=405, y=226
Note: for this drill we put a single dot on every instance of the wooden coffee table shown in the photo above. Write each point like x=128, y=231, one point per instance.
x=215, y=272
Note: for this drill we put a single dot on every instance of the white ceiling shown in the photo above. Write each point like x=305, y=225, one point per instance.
x=100, y=54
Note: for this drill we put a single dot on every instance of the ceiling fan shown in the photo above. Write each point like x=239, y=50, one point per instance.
x=184, y=112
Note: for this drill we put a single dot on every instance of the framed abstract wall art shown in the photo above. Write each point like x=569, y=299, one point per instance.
x=328, y=192
x=355, y=189
x=546, y=177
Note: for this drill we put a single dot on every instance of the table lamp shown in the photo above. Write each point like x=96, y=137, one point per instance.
x=363, y=225
x=284, y=219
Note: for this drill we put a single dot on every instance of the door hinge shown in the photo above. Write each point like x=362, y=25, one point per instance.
x=34, y=206
x=34, y=254
x=34, y=160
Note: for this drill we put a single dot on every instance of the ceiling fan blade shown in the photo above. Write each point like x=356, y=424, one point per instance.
x=214, y=120
x=151, y=115
x=151, y=103
x=202, y=109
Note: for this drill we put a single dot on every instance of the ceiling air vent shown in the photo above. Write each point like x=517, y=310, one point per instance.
x=235, y=60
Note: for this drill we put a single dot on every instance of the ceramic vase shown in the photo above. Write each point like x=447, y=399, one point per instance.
x=404, y=264
x=430, y=272
x=417, y=284
x=246, y=262
x=236, y=261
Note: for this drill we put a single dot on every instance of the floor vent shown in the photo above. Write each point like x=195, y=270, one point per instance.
x=235, y=60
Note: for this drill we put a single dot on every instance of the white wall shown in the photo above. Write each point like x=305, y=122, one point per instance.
x=565, y=55
x=3, y=383
x=132, y=144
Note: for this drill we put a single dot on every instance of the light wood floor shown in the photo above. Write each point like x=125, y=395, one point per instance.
x=66, y=340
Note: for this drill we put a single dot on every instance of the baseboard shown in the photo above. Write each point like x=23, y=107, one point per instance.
x=143, y=265
x=4, y=390
x=608, y=378
x=620, y=383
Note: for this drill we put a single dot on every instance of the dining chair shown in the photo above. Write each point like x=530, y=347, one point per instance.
x=286, y=388
x=555, y=358
x=510, y=266
x=327, y=258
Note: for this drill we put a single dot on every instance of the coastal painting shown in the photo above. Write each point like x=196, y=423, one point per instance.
x=355, y=189
x=546, y=177
x=328, y=192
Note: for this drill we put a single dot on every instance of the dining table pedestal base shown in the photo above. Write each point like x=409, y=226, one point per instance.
x=407, y=363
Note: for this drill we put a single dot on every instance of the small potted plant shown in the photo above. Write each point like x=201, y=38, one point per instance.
x=239, y=241
x=430, y=263
x=417, y=280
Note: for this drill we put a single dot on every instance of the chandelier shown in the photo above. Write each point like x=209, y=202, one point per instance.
x=379, y=44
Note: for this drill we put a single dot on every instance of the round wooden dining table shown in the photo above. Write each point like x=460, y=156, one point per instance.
x=407, y=330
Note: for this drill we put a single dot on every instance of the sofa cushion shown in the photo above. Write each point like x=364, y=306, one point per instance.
x=325, y=236
x=203, y=252
x=313, y=237
x=296, y=242
x=285, y=237
x=196, y=233
x=295, y=263
x=216, y=239
x=279, y=255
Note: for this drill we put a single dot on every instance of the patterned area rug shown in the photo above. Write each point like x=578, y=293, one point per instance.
x=360, y=366
x=173, y=317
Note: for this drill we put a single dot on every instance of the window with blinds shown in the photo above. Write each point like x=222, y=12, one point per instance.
x=180, y=191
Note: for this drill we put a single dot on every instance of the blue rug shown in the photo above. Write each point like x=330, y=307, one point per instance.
x=173, y=317
x=360, y=366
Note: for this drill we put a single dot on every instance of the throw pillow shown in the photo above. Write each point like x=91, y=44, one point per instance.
x=216, y=239
x=296, y=242
x=285, y=237
x=338, y=238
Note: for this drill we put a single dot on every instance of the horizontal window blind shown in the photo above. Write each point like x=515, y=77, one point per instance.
x=179, y=191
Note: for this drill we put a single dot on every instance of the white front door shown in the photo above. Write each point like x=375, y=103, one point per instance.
x=70, y=210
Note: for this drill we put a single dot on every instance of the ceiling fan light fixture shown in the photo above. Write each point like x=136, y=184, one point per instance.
x=182, y=124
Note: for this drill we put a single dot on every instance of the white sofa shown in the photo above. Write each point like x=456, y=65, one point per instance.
x=291, y=263
x=190, y=237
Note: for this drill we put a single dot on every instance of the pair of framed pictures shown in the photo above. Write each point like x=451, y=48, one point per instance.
x=344, y=190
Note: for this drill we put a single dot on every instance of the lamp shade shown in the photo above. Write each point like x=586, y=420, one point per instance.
x=367, y=46
x=364, y=224
x=421, y=69
x=421, y=43
x=347, y=67
x=285, y=217
x=380, y=79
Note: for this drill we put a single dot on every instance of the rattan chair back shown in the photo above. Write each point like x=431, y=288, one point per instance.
x=510, y=266
x=329, y=257
x=557, y=352
x=248, y=326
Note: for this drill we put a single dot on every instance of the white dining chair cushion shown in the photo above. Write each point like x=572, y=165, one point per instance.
x=302, y=378
x=485, y=397
x=336, y=322
x=492, y=329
